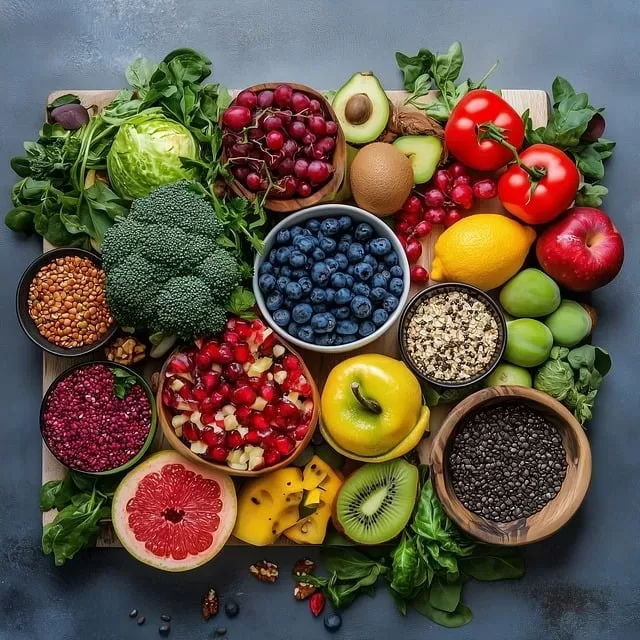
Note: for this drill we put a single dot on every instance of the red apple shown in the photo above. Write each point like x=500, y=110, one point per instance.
x=582, y=250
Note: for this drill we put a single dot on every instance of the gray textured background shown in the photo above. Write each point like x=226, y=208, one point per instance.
x=585, y=582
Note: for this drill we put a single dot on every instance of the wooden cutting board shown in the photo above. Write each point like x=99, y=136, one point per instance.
x=319, y=364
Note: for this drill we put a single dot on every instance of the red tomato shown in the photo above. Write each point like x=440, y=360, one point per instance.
x=477, y=112
x=551, y=195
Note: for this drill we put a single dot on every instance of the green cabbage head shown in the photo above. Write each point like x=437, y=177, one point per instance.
x=146, y=153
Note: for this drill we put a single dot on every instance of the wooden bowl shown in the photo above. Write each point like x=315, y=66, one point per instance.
x=558, y=511
x=339, y=160
x=164, y=419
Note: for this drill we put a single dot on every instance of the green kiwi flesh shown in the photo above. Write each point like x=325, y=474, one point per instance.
x=376, y=501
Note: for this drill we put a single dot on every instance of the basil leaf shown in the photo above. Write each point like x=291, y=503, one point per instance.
x=458, y=618
x=561, y=89
x=493, y=567
x=445, y=595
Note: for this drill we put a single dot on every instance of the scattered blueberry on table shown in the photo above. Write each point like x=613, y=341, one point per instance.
x=332, y=281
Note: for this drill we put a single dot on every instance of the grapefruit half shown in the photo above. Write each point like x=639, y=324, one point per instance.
x=174, y=514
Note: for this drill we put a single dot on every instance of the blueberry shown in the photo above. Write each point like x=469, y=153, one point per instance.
x=363, y=232
x=293, y=290
x=305, y=244
x=296, y=230
x=289, y=303
x=272, y=256
x=306, y=285
x=342, y=313
x=363, y=271
x=350, y=270
x=361, y=307
x=344, y=222
x=343, y=296
x=355, y=253
x=378, y=294
x=320, y=273
x=327, y=339
x=361, y=289
x=283, y=254
x=390, y=304
x=342, y=261
x=317, y=295
x=391, y=259
x=396, y=286
x=345, y=243
x=366, y=247
x=328, y=245
x=292, y=329
x=350, y=280
x=396, y=271
x=281, y=317
x=318, y=254
x=283, y=237
x=323, y=322
x=306, y=333
x=313, y=224
x=330, y=295
x=379, y=317
x=297, y=259
x=296, y=274
x=266, y=282
x=329, y=226
x=380, y=246
x=347, y=327
x=281, y=283
x=380, y=280
x=371, y=261
x=232, y=609
x=348, y=339
x=319, y=308
x=366, y=328
x=266, y=267
x=338, y=280
x=286, y=271
x=302, y=313
x=332, y=263
x=274, y=301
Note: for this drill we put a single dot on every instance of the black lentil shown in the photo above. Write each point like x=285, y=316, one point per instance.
x=164, y=629
x=165, y=618
x=507, y=462
x=141, y=620
x=133, y=613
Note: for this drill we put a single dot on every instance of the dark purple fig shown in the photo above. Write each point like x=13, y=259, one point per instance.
x=70, y=116
x=594, y=129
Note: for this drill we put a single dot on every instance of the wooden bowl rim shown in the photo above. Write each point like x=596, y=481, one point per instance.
x=329, y=189
x=179, y=446
x=535, y=527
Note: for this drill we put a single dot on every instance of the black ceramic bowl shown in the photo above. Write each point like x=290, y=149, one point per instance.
x=22, y=305
x=439, y=289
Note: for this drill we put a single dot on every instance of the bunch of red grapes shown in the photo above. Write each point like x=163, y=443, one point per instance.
x=281, y=140
x=442, y=200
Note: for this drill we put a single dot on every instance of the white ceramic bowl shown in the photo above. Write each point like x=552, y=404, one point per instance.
x=333, y=211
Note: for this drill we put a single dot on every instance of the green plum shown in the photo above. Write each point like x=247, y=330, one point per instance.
x=529, y=342
x=508, y=374
x=530, y=294
x=569, y=323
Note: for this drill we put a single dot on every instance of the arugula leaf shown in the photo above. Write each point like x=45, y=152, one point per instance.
x=123, y=381
x=458, y=618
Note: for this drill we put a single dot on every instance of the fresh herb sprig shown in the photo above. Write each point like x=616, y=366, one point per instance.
x=123, y=381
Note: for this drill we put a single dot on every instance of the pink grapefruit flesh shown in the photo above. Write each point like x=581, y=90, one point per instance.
x=174, y=514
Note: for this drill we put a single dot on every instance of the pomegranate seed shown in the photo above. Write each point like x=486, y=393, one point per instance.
x=284, y=445
x=213, y=350
x=219, y=453
x=243, y=394
x=423, y=229
x=419, y=273
x=231, y=337
x=301, y=431
x=243, y=414
x=268, y=342
x=179, y=364
x=203, y=360
x=210, y=380
x=234, y=439
x=253, y=438
x=190, y=431
x=271, y=457
x=224, y=390
x=258, y=421
x=208, y=418
x=199, y=392
x=290, y=362
x=269, y=441
x=233, y=371
x=243, y=328
x=269, y=412
x=257, y=325
x=241, y=353
x=207, y=406
x=457, y=170
x=210, y=437
x=316, y=603
x=217, y=399
x=186, y=391
x=225, y=354
x=413, y=205
x=453, y=216
x=413, y=250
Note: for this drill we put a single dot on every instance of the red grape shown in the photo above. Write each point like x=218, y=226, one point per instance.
x=247, y=99
x=413, y=249
x=332, y=128
x=275, y=140
x=435, y=215
x=423, y=229
x=404, y=227
x=300, y=168
x=253, y=182
x=462, y=180
x=325, y=145
x=462, y=194
x=265, y=99
x=434, y=198
x=236, y=117
x=286, y=116
x=315, y=106
x=453, y=215
x=412, y=205
x=443, y=181
x=308, y=138
x=241, y=173
x=286, y=167
x=299, y=101
x=297, y=130
x=457, y=169
x=318, y=171
x=282, y=95
x=271, y=123
x=485, y=189
x=289, y=148
x=304, y=189
x=317, y=125
x=419, y=273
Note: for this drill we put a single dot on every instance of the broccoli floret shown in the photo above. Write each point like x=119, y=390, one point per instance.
x=165, y=269
x=185, y=307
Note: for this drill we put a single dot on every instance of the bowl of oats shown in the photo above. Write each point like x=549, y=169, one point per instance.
x=452, y=335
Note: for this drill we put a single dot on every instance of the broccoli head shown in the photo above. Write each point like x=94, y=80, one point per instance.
x=165, y=269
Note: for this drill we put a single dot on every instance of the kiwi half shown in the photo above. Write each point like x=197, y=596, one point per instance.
x=376, y=501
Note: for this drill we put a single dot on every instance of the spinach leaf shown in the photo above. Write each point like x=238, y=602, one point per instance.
x=67, y=98
x=56, y=494
x=413, y=67
x=494, y=565
x=408, y=569
x=458, y=618
x=347, y=563
x=445, y=594
x=342, y=594
x=590, y=195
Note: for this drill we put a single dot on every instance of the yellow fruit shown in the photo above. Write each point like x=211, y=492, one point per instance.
x=483, y=250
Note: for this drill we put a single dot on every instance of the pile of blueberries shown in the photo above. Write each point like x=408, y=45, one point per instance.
x=331, y=281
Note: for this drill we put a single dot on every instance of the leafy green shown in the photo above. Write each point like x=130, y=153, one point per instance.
x=241, y=303
x=568, y=129
x=436, y=396
x=458, y=618
x=427, y=70
x=67, y=98
x=123, y=381
x=495, y=563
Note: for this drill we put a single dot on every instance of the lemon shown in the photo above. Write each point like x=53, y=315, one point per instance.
x=483, y=250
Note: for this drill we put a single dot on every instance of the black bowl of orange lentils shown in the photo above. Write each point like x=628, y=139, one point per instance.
x=61, y=303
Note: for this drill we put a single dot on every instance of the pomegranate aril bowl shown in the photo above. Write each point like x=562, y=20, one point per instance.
x=242, y=401
x=98, y=418
x=267, y=129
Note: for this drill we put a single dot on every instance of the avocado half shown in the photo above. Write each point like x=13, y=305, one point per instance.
x=409, y=442
x=362, y=108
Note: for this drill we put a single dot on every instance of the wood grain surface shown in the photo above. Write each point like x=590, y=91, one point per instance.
x=319, y=364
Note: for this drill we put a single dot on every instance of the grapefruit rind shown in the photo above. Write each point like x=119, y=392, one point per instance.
x=127, y=490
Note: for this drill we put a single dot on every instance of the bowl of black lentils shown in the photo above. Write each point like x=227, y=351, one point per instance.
x=452, y=335
x=510, y=465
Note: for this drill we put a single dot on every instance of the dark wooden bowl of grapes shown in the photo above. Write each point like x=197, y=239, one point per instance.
x=282, y=142
x=510, y=465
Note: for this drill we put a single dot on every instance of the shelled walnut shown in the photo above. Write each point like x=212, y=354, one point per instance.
x=126, y=350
